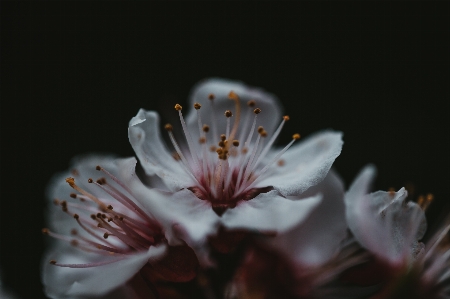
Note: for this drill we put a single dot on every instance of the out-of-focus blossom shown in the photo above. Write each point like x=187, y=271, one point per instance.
x=225, y=172
x=391, y=228
x=106, y=243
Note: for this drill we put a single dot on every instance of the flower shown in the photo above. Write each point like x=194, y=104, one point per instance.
x=228, y=174
x=105, y=241
x=391, y=228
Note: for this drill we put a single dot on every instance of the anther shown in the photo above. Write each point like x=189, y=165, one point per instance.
x=52, y=262
x=260, y=129
x=176, y=156
x=76, y=216
x=430, y=197
x=90, y=181
x=205, y=128
x=257, y=111
x=178, y=107
x=45, y=231
x=202, y=140
x=223, y=137
x=70, y=181
x=219, y=151
x=93, y=216
x=228, y=113
x=211, y=96
x=99, y=215
x=236, y=142
x=221, y=143
x=110, y=207
x=103, y=216
x=98, y=168
x=286, y=117
x=74, y=242
x=263, y=133
x=73, y=195
x=74, y=232
x=168, y=127
x=101, y=181
x=121, y=218
x=296, y=136
x=280, y=163
x=105, y=235
x=251, y=103
x=391, y=191
x=233, y=96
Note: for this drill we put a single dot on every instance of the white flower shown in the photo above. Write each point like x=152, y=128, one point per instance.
x=385, y=223
x=228, y=174
x=105, y=241
x=391, y=228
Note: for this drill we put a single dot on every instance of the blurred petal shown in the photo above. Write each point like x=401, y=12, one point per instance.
x=267, y=102
x=383, y=222
x=315, y=240
x=66, y=282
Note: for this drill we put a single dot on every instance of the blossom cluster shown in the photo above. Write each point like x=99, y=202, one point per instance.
x=220, y=212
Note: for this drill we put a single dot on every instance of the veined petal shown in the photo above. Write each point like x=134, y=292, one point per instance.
x=155, y=158
x=270, y=212
x=267, y=102
x=315, y=240
x=306, y=164
x=64, y=282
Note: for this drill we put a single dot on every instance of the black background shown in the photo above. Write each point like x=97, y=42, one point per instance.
x=73, y=75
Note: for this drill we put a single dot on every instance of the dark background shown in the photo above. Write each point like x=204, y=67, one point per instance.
x=73, y=75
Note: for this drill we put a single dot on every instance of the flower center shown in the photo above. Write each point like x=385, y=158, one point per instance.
x=111, y=225
x=227, y=167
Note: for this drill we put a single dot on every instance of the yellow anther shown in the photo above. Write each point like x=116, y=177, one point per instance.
x=197, y=106
x=178, y=107
x=296, y=136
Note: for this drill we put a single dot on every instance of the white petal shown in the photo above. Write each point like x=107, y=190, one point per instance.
x=306, y=164
x=383, y=222
x=155, y=158
x=63, y=282
x=270, y=212
x=316, y=240
x=269, y=118
x=177, y=211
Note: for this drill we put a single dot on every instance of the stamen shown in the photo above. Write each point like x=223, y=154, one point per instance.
x=294, y=138
x=89, y=265
x=188, y=139
x=71, y=182
x=213, y=123
x=272, y=140
x=237, y=103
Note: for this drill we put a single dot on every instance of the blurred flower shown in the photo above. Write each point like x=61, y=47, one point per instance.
x=106, y=243
x=391, y=228
x=228, y=174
